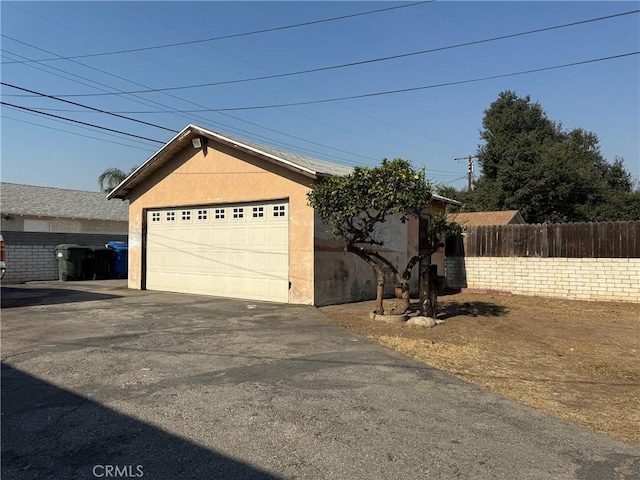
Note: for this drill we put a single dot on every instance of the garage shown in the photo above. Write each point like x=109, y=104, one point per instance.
x=238, y=250
x=213, y=214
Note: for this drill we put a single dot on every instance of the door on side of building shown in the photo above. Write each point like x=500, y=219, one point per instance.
x=232, y=250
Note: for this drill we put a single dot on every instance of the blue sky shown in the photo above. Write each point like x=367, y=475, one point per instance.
x=430, y=127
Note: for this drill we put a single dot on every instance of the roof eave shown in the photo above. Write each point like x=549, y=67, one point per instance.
x=121, y=191
x=442, y=199
x=124, y=188
x=255, y=151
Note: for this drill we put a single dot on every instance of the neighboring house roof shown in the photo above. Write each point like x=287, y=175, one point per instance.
x=476, y=219
x=308, y=166
x=18, y=199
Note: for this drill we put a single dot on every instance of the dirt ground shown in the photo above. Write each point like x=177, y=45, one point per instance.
x=575, y=359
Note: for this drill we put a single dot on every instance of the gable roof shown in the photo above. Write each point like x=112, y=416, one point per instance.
x=308, y=166
x=19, y=199
x=476, y=219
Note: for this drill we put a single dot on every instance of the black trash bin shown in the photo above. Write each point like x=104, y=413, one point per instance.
x=73, y=261
x=99, y=266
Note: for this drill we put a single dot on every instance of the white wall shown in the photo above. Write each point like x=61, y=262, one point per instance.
x=17, y=223
x=610, y=279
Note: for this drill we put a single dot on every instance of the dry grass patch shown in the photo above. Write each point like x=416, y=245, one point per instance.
x=574, y=359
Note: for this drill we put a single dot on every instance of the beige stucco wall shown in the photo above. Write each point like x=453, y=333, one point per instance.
x=225, y=175
x=67, y=225
x=343, y=277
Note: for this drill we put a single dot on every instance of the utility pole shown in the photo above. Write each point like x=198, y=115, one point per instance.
x=470, y=169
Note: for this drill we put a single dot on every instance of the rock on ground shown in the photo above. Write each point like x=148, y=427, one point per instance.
x=422, y=321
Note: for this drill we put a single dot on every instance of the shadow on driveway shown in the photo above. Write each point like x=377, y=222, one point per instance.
x=49, y=432
x=28, y=297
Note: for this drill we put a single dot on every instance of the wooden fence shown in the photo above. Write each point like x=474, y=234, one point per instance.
x=568, y=240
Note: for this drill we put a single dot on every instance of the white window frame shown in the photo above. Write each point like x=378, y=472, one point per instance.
x=220, y=215
x=279, y=211
x=202, y=215
x=237, y=214
x=258, y=213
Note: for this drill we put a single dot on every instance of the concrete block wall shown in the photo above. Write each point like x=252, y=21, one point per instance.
x=609, y=279
x=30, y=256
x=455, y=274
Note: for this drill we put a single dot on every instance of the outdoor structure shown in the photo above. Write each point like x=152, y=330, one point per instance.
x=35, y=219
x=216, y=215
x=476, y=219
x=580, y=261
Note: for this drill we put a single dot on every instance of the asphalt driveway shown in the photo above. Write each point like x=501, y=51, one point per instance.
x=102, y=382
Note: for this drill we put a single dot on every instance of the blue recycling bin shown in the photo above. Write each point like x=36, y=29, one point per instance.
x=120, y=258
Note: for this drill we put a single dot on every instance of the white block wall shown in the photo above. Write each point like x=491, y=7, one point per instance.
x=26, y=263
x=610, y=279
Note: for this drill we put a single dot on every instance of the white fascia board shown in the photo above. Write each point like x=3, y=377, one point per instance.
x=177, y=137
x=445, y=199
x=253, y=149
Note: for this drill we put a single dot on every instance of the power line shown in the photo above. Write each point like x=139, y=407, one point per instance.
x=226, y=114
x=78, y=121
x=97, y=70
x=365, y=61
x=235, y=35
x=142, y=142
x=380, y=93
x=47, y=70
x=401, y=90
x=88, y=107
x=199, y=105
x=148, y=102
x=362, y=62
x=73, y=133
x=332, y=126
x=135, y=98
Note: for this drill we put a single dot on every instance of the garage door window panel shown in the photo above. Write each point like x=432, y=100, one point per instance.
x=220, y=214
x=202, y=215
x=279, y=211
x=238, y=213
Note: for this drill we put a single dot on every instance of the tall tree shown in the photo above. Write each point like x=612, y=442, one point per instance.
x=112, y=177
x=355, y=206
x=529, y=163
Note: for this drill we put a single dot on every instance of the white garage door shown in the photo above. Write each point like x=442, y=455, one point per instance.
x=239, y=250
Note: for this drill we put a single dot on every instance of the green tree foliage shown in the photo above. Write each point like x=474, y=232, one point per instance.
x=112, y=177
x=354, y=206
x=531, y=164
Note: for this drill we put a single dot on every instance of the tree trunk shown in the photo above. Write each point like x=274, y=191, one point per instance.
x=404, y=306
x=379, y=291
x=428, y=291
